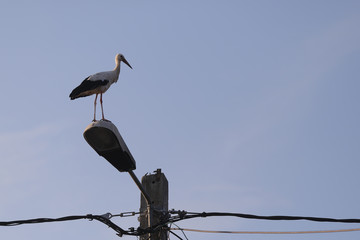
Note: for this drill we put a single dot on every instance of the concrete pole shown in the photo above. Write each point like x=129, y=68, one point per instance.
x=156, y=185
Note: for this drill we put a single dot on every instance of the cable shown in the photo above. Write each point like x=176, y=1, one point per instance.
x=182, y=215
x=175, y=234
x=168, y=233
x=43, y=220
x=174, y=216
x=271, y=232
x=188, y=215
x=179, y=228
x=101, y=218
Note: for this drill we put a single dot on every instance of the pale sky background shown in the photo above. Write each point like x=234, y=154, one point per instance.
x=246, y=106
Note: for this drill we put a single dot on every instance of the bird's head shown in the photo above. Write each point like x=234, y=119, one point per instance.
x=119, y=57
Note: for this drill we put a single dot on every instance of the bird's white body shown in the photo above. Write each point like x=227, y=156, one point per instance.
x=99, y=83
x=110, y=76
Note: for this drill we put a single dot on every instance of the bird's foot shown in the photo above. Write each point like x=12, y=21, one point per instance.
x=94, y=120
x=104, y=119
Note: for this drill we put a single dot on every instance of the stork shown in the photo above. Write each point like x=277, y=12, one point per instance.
x=99, y=83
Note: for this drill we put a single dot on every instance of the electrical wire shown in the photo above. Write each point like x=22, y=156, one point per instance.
x=182, y=215
x=175, y=235
x=173, y=216
x=101, y=218
x=179, y=228
x=267, y=232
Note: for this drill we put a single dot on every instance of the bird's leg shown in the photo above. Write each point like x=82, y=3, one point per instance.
x=95, y=108
x=102, y=110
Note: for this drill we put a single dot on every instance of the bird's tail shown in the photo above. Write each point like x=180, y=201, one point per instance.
x=75, y=94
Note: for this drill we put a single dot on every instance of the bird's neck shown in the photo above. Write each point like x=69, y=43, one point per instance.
x=117, y=70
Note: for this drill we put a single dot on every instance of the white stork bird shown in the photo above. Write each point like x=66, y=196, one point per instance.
x=98, y=83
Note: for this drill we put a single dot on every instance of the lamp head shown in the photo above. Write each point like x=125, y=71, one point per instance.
x=106, y=140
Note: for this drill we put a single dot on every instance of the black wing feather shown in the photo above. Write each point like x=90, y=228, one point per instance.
x=86, y=85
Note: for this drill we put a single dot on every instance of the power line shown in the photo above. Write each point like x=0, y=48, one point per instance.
x=180, y=230
x=182, y=215
x=175, y=234
x=101, y=218
x=266, y=232
x=176, y=215
x=173, y=216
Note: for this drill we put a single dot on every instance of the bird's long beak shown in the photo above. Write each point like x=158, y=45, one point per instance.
x=126, y=62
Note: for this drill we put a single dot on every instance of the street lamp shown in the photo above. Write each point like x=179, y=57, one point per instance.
x=105, y=139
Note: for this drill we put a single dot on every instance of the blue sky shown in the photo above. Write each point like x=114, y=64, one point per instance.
x=246, y=106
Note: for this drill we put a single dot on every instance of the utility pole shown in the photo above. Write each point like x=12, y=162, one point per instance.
x=105, y=139
x=156, y=185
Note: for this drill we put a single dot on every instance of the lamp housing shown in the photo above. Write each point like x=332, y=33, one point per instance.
x=105, y=139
